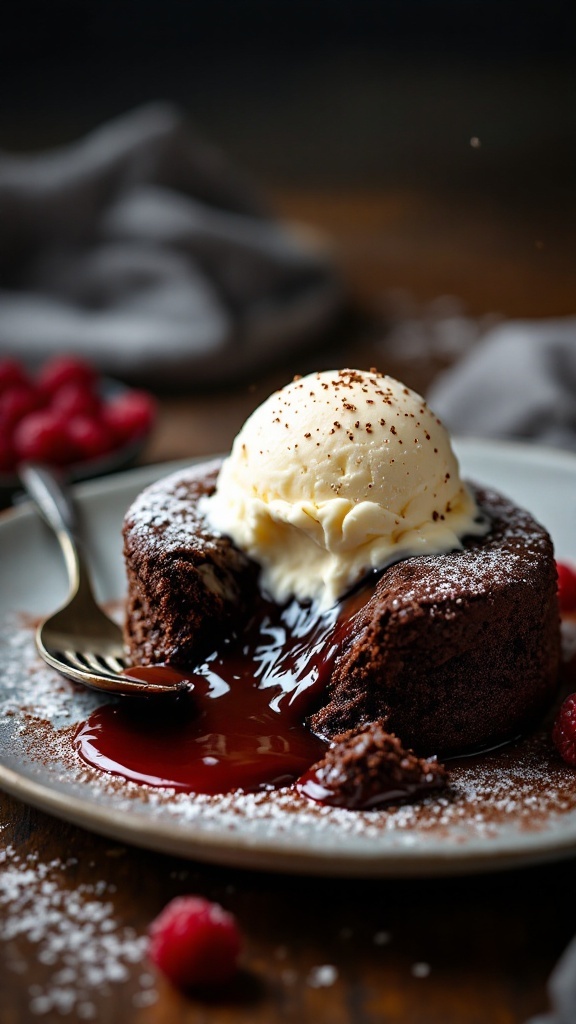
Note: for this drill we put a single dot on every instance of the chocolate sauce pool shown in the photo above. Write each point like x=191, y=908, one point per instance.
x=240, y=724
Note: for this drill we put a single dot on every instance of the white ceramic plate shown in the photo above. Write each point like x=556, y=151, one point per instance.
x=38, y=711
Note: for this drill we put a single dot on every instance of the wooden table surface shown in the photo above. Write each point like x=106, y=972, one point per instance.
x=427, y=951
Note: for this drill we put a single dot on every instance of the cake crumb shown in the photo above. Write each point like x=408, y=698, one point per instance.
x=367, y=767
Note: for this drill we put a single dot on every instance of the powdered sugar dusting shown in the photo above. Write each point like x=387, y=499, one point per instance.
x=81, y=950
x=512, y=552
x=176, y=527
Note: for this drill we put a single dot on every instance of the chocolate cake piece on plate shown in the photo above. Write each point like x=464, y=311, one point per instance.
x=458, y=650
x=186, y=587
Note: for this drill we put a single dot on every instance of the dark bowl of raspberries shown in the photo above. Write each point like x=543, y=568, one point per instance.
x=68, y=416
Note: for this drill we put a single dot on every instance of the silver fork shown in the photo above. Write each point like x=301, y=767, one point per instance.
x=79, y=640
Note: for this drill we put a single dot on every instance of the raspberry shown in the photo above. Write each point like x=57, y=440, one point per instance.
x=130, y=415
x=42, y=436
x=62, y=370
x=12, y=373
x=16, y=402
x=89, y=437
x=76, y=399
x=60, y=417
x=195, y=943
x=566, y=587
x=564, y=730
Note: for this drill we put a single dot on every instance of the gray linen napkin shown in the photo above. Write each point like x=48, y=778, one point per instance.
x=519, y=383
x=142, y=249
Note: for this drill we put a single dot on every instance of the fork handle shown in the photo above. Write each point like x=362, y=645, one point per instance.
x=57, y=509
x=53, y=501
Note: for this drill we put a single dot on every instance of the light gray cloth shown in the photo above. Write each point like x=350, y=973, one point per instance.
x=518, y=383
x=561, y=991
x=142, y=249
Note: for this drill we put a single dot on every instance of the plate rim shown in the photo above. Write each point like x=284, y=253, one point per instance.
x=234, y=850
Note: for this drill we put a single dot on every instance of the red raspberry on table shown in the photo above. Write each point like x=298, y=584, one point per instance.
x=564, y=730
x=62, y=370
x=566, y=587
x=195, y=943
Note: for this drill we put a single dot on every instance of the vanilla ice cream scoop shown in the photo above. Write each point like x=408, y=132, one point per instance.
x=339, y=473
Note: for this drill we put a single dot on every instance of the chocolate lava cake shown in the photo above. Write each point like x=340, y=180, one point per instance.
x=455, y=651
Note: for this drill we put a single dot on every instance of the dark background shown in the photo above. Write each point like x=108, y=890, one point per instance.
x=327, y=92
x=344, y=98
